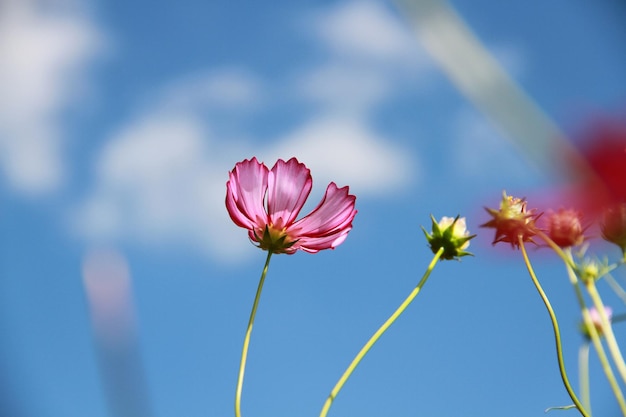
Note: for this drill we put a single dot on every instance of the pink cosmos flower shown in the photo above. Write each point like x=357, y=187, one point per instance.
x=596, y=321
x=267, y=202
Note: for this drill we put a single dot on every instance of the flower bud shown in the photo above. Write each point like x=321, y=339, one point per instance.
x=614, y=226
x=564, y=228
x=512, y=221
x=589, y=270
x=451, y=234
x=596, y=321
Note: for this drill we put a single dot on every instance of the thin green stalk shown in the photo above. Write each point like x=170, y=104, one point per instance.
x=619, y=291
x=246, y=341
x=604, y=361
x=357, y=359
x=566, y=255
x=607, y=329
x=555, y=327
x=597, y=344
x=583, y=375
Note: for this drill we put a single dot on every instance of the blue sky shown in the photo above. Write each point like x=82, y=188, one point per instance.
x=119, y=122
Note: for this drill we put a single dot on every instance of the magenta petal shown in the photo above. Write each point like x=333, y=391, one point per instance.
x=245, y=194
x=314, y=245
x=327, y=226
x=289, y=185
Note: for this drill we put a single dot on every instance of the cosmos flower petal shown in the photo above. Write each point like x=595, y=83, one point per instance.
x=289, y=185
x=327, y=226
x=245, y=193
x=316, y=244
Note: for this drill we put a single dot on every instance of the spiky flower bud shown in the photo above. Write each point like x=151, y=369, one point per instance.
x=451, y=234
x=512, y=221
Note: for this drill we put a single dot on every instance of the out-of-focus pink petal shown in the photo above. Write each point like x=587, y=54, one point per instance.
x=601, y=179
x=289, y=185
x=327, y=226
x=245, y=193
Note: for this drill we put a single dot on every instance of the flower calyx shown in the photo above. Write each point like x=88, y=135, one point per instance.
x=590, y=270
x=273, y=240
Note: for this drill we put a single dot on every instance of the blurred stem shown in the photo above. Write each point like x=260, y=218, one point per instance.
x=246, y=341
x=563, y=254
x=619, y=291
x=583, y=375
x=607, y=329
x=378, y=334
x=604, y=361
x=555, y=327
x=597, y=343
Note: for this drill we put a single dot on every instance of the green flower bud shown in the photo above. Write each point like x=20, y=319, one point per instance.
x=451, y=234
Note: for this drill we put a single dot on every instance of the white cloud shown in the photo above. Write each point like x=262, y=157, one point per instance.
x=346, y=89
x=161, y=180
x=367, y=30
x=372, y=56
x=44, y=56
x=228, y=89
x=348, y=152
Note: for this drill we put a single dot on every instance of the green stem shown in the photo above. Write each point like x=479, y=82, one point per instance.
x=619, y=291
x=566, y=255
x=357, y=359
x=583, y=375
x=606, y=367
x=597, y=344
x=246, y=341
x=607, y=329
x=555, y=327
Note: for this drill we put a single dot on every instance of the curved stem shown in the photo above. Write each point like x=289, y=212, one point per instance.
x=555, y=327
x=246, y=341
x=357, y=359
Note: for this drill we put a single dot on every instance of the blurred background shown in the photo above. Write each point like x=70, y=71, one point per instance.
x=125, y=289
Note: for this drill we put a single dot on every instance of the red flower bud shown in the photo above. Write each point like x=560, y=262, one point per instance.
x=564, y=228
x=614, y=226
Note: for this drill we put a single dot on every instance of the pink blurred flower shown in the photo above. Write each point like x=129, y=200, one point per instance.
x=602, y=168
x=267, y=202
x=596, y=321
x=565, y=228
